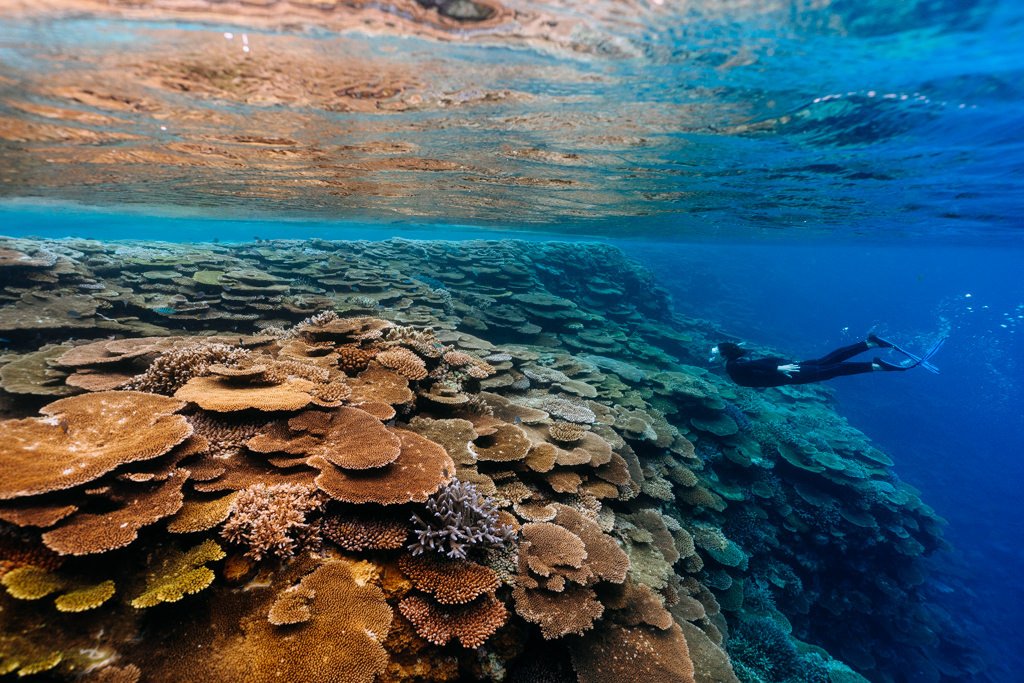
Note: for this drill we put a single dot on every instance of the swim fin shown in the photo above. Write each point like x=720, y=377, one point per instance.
x=923, y=360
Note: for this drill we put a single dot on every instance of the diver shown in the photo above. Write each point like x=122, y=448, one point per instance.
x=774, y=371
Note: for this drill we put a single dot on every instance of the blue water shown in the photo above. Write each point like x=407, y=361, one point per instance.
x=956, y=435
x=808, y=172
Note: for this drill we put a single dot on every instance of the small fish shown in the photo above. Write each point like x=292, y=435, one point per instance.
x=74, y=314
x=64, y=427
x=518, y=420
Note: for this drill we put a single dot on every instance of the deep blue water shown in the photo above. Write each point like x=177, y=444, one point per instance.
x=956, y=435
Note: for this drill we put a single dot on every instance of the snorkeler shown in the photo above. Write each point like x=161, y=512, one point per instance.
x=774, y=371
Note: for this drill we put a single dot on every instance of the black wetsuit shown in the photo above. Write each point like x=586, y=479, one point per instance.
x=763, y=372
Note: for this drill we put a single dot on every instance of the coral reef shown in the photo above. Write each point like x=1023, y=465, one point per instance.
x=520, y=453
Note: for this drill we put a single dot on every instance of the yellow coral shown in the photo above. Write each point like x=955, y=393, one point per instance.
x=31, y=582
x=41, y=665
x=180, y=574
x=89, y=597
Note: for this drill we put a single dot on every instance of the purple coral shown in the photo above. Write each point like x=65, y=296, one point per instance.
x=461, y=518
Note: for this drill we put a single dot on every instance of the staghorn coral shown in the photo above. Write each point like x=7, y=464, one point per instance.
x=271, y=520
x=461, y=518
x=174, y=368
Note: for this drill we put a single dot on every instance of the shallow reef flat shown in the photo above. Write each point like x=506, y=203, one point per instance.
x=426, y=461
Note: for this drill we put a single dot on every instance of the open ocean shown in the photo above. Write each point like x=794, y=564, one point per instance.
x=574, y=201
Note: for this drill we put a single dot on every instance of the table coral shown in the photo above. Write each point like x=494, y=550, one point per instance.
x=177, y=574
x=341, y=640
x=612, y=653
x=85, y=437
x=219, y=395
x=346, y=436
x=448, y=581
x=137, y=506
x=421, y=468
x=472, y=623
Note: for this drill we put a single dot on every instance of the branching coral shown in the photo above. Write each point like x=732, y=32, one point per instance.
x=460, y=518
x=271, y=520
x=174, y=368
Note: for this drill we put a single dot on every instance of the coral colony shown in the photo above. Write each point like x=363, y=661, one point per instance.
x=397, y=461
x=460, y=519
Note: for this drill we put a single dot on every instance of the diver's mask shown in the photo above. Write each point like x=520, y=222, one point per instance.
x=714, y=354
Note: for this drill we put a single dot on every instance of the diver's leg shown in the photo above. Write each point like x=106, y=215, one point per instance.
x=814, y=371
x=843, y=353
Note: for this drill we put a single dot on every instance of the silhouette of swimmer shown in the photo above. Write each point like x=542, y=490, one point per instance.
x=774, y=371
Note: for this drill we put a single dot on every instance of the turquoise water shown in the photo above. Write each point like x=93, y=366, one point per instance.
x=795, y=173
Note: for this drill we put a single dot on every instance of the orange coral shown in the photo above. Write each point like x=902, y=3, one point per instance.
x=612, y=653
x=220, y=395
x=566, y=432
x=271, y=520
x=353, y=359
x=35, y=511
x=85, y=534
x=551, y=547
x=85, y=437
x=380, y=385
x=353, y=329
x=350, y=437
x=572, y=610
x=366, y=532
x=291, y=606
x=421, y=469
x=472, y=623
x=15, y=552
x=403, y=361
x=449, y=581
x=506, y=443
x=605, y=558
x=341, y=640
